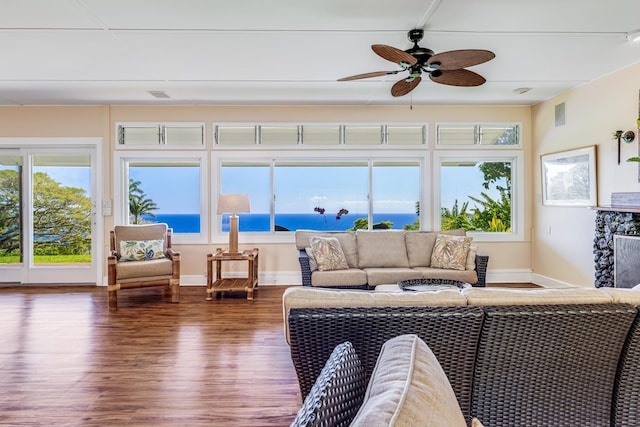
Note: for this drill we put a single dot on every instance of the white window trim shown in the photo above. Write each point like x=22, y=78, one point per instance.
x=517, y=190
x=121, y=187
x=421, y=156
x=439, y=146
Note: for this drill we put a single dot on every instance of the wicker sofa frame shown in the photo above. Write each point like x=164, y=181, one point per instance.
x=551, y=365
x=305, y=268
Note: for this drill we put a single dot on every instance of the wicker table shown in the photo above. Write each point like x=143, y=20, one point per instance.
x=244, y=284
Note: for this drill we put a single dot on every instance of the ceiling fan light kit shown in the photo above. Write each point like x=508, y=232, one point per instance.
x=447, y=68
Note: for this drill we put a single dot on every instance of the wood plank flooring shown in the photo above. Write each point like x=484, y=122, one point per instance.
x=67, y=361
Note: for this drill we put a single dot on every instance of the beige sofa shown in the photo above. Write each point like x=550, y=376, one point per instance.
x=385, y=257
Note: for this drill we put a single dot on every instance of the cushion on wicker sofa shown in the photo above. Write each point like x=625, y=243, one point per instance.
x=409, y=388
x=382, y=249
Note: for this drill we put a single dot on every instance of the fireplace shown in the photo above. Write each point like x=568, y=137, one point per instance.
x=611, y=223
x=626, y=254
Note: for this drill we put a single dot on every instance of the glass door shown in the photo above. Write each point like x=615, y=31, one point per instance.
x=51, y=216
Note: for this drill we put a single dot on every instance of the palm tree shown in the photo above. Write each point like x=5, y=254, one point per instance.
x=139, y=203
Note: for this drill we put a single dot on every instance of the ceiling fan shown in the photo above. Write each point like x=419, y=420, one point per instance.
x=446, y=68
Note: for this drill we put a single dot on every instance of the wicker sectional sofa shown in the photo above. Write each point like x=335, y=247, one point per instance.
x=384, y=257
x=552, y=357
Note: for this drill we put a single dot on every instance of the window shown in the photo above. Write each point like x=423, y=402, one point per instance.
x=323, y=134
x=158, y=134
x=11, y=251
x=484, y=134
x=324, y=194
x=479, y=192
x=162, y=188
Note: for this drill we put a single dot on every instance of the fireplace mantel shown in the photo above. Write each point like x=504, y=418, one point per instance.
x=617, y=209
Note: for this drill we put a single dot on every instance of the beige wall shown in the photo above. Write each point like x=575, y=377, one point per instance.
x=100, y=122
x=563, y=236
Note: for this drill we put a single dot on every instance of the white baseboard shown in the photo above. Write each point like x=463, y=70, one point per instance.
x=548, y=282
x=509, y=276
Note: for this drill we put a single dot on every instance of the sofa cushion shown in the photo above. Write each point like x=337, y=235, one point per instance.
x=348, y=277
x=383, y=248
x=307, y=297
x=408, y=388
x=141, y=250
x=450, y=252
x=328, y=253
x=383, y=276
x=623, y=295
x=347, y=241
x=498, y=296
x=467, y=276
x=420, y=245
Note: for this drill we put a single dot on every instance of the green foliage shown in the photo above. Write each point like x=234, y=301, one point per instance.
x=455, y=217
x=489, y=214
x=139, y=203
x=9, y=212
x=363, y=224
x=500, y=209
x=61, y=218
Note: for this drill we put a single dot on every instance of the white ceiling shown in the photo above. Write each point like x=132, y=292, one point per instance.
x=265, y=52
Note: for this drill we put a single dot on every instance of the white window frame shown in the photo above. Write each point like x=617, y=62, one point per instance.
x=121, y=187
x=357, y=153
x=517, y=189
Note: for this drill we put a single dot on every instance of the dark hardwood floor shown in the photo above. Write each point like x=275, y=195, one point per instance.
x=67, y=361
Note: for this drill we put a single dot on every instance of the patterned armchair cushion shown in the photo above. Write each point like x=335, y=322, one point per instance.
x=141, y=250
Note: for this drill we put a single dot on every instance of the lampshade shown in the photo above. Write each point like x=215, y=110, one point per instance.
x=233, y=203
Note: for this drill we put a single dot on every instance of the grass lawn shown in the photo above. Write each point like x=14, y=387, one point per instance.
x=49, y=259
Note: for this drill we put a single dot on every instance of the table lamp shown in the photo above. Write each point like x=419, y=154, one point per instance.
x=233, y=203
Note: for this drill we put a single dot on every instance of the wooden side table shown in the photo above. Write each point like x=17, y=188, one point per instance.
x=243, y=284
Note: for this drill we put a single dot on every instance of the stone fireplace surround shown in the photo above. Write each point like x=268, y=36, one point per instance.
x=610, y=221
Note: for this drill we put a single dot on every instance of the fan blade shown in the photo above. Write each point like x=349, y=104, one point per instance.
x=403, y=87
x=367, y=75
x=394, y=55
x=458, y=78
x=456, y=59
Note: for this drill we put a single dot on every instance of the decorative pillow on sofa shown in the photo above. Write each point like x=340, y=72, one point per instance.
x=450, y=252
x=408, y=388
x=328, y=253
x=141, y=250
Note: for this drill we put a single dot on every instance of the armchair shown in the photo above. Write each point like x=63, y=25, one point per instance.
x=144, y=263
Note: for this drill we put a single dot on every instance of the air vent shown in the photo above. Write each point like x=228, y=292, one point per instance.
x=159, y=94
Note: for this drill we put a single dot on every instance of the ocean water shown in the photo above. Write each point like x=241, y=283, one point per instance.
x=190, y=223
